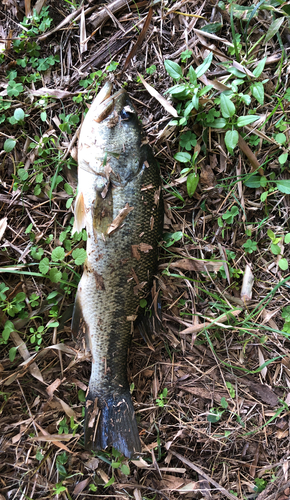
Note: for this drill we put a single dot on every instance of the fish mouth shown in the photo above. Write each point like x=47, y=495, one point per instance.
x=106, y=103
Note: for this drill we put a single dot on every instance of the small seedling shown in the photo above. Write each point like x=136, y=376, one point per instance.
x=250, y=246
x=161, y=401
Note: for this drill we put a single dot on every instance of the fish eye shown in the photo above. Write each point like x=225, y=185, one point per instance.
x=125, y=115
x=126, y=112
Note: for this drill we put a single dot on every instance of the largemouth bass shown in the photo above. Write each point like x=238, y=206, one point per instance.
x=119, y=203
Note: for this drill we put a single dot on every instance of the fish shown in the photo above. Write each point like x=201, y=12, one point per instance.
x=119, y=203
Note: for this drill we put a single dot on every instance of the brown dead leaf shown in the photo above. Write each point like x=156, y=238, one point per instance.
x=195, y=265
x=140, y=38
x=247, y=286
x=24, y=353
x=249, y=154
x=170, y=483
x=166, y=104
x=207, y=177
x=56, y=93
x=52, y=387
x=3, y=225
x=219, y=321
x=119, y=219
x=81, y=486
x=83, y=35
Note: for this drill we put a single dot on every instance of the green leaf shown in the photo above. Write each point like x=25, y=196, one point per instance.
x=246, y=98
x=69, y=202
x=173, y=69
x=257, y=90
x=19, y=114
x=264, y=196
x=57, y=254
x=253, y=182
x=211, y=27
x=43, y=116
x=22, y=174
x=125, y=469
x=182, y=157
x=200, y=70
x=79, y=255
x=14, y=89
x=12, y=353
x=68, y=189
x=283, y=186
x=275, y=249
x=227, y=106
x=224, y=403
x=250, y=246
x=274, y=28
x=218, y=123
x=191, y=183
x=55, y=275
x=189, y=108
x=271, y=234
x=280, y=138
x=214, y=417
x=242, y=121
x=283, y=158
x=231, y=139
x=171, y=238
x=283, y=264
x=37, y=190
x=192, y=75
x=260, y=67
x=287, y=238
x=44, y=266
x=286, y=313
x=9, y=144
x=109, y=483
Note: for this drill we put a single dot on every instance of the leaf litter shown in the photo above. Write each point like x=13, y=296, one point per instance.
x=212, y=397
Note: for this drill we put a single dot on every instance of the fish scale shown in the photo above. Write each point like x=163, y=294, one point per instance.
x=117, y=174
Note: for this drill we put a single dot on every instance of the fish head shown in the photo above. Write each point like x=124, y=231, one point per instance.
x=110, y=140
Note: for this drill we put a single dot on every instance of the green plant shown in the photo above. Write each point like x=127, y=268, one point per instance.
x=151, y=70
x=250, y=246
x=161, y=401
x=68, y=121
x=286, y=316
x=276, y=247
x=63, y=426
x=230, y=214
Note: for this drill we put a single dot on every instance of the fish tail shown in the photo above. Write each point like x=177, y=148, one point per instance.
x=111, y=421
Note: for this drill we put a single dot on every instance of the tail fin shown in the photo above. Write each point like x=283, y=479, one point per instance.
x=112, y=423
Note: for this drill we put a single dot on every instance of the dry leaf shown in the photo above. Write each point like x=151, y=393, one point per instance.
x=247, y=286
x=83, y=35
x=119, y=219
x=195, y=265
x=3, y=225
x=261, y=362
x=56, y=93
x=167, y=106
x=52, y=387
x=81, y=486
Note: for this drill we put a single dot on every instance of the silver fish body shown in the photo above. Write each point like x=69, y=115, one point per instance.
x=119, y=203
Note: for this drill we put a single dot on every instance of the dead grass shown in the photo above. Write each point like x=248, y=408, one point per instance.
x=222, y=355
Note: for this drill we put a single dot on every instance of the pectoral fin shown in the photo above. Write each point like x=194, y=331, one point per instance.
x=80, y=214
